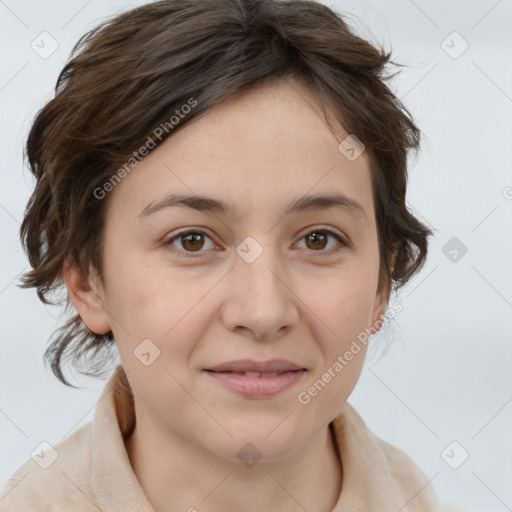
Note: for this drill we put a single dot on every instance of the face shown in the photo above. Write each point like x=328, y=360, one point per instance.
x=258, y=280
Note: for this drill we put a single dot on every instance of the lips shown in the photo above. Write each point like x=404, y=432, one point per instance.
x=255, y=368
x=257, y=380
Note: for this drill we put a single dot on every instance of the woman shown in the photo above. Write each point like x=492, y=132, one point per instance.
x=221, y=188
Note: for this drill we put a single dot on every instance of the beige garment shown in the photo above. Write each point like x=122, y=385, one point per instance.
x=92, y=471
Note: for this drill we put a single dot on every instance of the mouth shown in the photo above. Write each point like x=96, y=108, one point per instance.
x=256, y=374
x=257, y=379
x=258, y=368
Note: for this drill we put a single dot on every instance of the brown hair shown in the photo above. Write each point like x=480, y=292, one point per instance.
x=131, y=73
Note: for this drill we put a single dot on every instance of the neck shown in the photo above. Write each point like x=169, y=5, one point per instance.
x=176, y=475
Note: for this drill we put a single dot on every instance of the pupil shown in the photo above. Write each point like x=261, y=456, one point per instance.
x=316, y=238
x=193, y=239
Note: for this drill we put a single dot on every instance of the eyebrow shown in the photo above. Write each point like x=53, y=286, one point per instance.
x=217, y=206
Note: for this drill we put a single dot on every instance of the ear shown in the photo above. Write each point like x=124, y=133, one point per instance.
x=379, y=306
x=87, y=295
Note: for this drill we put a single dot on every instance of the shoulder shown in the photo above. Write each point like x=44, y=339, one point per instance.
x=376, y=472
x=388, y=471
x=403, y=466
x=408, y=476
x=58, y=474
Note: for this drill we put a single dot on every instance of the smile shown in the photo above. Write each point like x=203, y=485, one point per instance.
x=257, y=384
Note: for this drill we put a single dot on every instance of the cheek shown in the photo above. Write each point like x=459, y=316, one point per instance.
x=142, y=295
x=339, y=309
x=168, y=307
x=342, y=305
x=344, y=308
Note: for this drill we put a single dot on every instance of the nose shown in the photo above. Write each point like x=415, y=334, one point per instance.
x=260, y=302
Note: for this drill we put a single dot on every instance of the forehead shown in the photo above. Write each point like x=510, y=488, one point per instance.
x=260, y=150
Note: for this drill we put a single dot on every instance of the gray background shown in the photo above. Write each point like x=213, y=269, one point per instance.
x=447, y=376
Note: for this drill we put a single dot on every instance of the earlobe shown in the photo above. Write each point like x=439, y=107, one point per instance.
x=379, y=309
x=86, y=293
x=378, y=321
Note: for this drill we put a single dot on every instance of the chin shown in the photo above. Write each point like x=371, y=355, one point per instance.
x=250, y=443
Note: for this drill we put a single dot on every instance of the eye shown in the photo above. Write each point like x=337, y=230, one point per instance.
x=318, y=239
x=191, y=241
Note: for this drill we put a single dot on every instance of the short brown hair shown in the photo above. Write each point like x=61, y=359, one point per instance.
x=130, y=74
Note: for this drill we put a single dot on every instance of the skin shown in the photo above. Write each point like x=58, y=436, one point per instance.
x=298, y=300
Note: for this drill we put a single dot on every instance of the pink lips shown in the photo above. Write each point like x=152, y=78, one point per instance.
x=246, y=365
x=232, y=375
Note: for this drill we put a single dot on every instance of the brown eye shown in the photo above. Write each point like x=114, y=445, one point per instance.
x=316, y=240
x=192, y=241
x=319, y=239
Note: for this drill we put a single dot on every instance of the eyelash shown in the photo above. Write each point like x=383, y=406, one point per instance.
x=188, y=254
